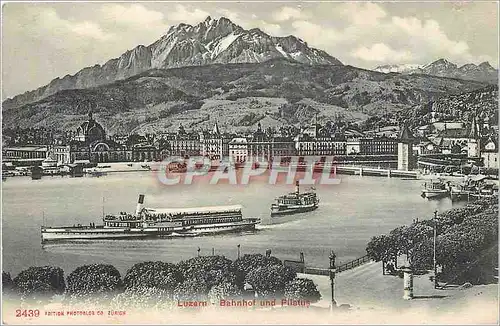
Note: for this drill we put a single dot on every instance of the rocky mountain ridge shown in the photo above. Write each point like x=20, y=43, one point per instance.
x=483, y=72
x=210, y=41
x=236, y=95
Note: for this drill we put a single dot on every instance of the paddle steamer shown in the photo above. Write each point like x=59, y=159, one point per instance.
x=157, y=222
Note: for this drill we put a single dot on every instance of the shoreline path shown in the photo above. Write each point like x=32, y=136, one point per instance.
x=364, y=288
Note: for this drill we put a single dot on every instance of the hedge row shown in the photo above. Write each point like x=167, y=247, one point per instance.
x=199, y=278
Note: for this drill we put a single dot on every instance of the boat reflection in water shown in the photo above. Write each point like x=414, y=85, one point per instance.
x=150, y=222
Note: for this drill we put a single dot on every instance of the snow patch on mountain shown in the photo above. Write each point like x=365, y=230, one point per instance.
x=401, y=68
x=161, y=52
x=483, y=72
x=223, y=44
x=280, y=50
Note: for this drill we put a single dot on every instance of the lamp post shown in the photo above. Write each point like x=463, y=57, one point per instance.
x=434, y=256
x=332, y=278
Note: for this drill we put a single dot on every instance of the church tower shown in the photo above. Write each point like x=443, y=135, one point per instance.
x=181, y=130
x=473, y=143
x=405, y=149
x=216, y=130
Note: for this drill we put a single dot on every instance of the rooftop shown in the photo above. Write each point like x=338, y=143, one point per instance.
x=454, y=133
x=26, y=148
x=192, y=210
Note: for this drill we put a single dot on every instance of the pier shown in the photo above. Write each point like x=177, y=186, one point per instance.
x=368, y=171
x=300, y=267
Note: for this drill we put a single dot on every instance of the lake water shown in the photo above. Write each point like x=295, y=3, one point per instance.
x=350, y=213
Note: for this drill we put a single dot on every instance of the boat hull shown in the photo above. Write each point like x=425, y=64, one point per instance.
x=223, y=228
x=456, y=195
x=435, y=194
x=291, y=211
x=100, y=233
x=483, y=196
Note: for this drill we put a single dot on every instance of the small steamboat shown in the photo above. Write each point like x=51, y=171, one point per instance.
x=435, y=190
x=295, y=202
x=151, y=222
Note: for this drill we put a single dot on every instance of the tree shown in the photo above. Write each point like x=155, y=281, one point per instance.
x=7, y=283
x=248, y=262
x=209, y=269
x=150, y=274
x=407, y=237
x=469, y=251
x=40, y=283
x=95, y=279
x=224, y=290
x=270, y=281
x=141, y=298
x=192, y=289
x=422, y=255
x=302, y=289
x=457, y=215
x=382, y=248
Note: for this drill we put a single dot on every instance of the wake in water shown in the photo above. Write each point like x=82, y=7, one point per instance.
x=277, y=223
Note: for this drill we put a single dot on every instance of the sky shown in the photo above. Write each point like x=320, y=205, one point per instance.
x=42, y=41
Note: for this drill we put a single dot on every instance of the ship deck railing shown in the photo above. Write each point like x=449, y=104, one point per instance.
x=197, y=216
x=80, y=227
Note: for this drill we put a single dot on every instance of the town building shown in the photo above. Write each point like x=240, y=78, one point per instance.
x=260, y=145
x=327, y=144
x=489, y=153
x=446, y=125
x=353, y=146
x=426, y=147
x=25, y=155
x=183, y=143
x=318, y=141
x=238, y=150
x=474, y=140
x=283, y=146
x=378, y=146
x=143, y=152
x=90, y=143
x=61, y=153
x=304, y=144
x=212, y=144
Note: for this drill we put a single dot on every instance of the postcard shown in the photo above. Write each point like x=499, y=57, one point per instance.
x=250, y=162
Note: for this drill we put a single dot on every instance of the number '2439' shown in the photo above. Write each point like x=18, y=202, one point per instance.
x=27, y=312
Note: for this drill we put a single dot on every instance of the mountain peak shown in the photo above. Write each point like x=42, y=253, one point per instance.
x=486, y=65
x=212, y=41
x=220, y=40
x=444, y=68
x=441, y=62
